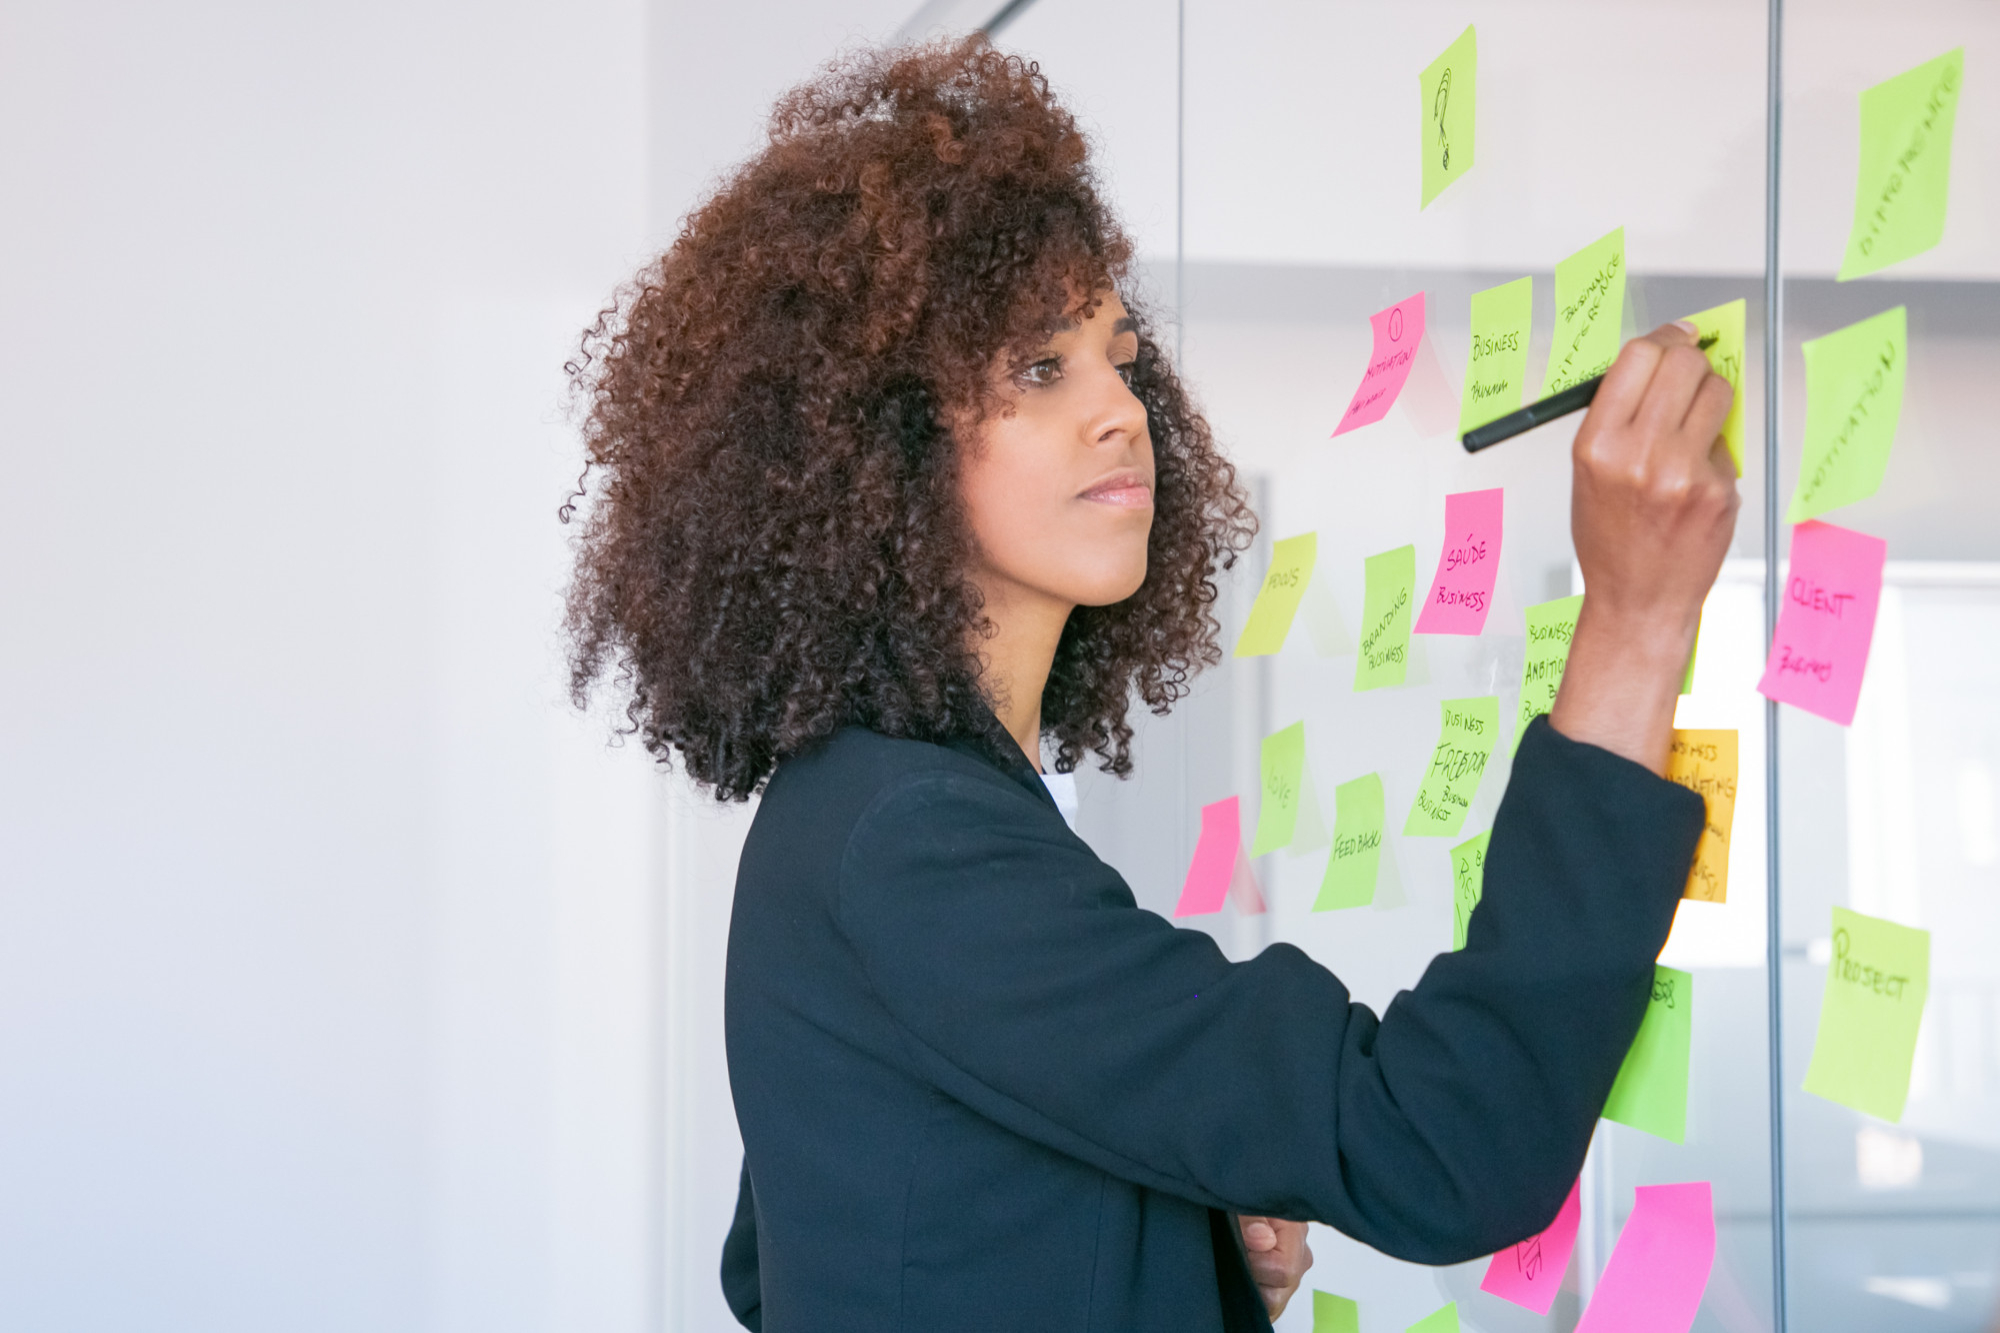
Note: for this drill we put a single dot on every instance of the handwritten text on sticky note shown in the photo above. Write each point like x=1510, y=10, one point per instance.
x=1391, y=585
x=1281, y=763
x=1854, y=400
x=1465, y=743
x=1397, y=330
x=1827, y=620
x=1590, y=308
x=1357, y=845
x=1446, y=89
x=1722, y=329
x=1660, y=1266
x=1468, y=566
x=1496, y=372
x=1278, y=597
x=1530, y=1273
x=1876, y=984
x=1905, y=175
x=1651, y=1091
x=1705, y=763
x=1468, y=882
x=1551, y=625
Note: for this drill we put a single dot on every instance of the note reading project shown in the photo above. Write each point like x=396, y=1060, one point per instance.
x=1496, y=372
x=1391, y=585
x=1826, y=621
x=1905, y=171
x=1705, y=763
x=1854, y=398
x=1590, y=310
x=1876, y=982
x=1468, y=566
x=1278, y=598
x=1446, y=91
x=1397, y=330
x=1465, y=743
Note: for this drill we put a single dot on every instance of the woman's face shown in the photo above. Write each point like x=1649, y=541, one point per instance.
x=1059, y=492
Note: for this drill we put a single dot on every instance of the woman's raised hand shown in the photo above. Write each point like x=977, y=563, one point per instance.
x=1652, y=508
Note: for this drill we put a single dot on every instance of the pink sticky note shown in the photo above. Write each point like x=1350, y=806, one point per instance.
x=1659, y=1269
x=1398, y=330
x=1826, y=621
x=1462, y=592
x=1244, y=890
x=1215, y=856
x=1531, y=1273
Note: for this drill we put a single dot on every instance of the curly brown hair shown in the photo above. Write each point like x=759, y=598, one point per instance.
x=774, y=544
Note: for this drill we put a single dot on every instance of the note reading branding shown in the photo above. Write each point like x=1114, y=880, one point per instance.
x=1590, y=308
x=1398, y=330
x=1446, y=93
x=1551, y=625
x=1468, y=566
x=1905, y=173
x=1826, y=622
x=1854, y=399
x=1465, y=743
x=1496, y=372
x=1705, y=763
x=1391, y=585
x=1876, y=984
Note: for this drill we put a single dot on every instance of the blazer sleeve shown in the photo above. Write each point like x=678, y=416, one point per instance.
x=1031, y=989
x=742, y=1279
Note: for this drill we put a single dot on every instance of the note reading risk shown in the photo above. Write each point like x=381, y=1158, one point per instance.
x=1651, y=1091
x=1704, y=762
x=1391, y=585
x=1854, y=398
x=1905, y=172
x=1397, y=330
x=1468, y=881
x=1876, y=981
x=1446, y=90
x=1278, y=598
x=1465, y=743
x=1826, y=621
x=1496, y=372
x=1468, y=566
x=1590, y=310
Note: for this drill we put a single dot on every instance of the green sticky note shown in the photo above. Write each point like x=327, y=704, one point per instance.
x=1590, y=310
x=1651, y=1092
x=1465, y=743
x=1551, y=625
x=1335, y=1314
x=1438, y=1321
x=1447, y=90
x=1694, y=651
x=1854, y=394
x=1358, y=817
x=1899, y=193
x=1722, y=329
x=1496, y=374
x=1876, y=983
x=1390, y=586
x=1468, y=880
x=1282, y=761
x=1278, y=599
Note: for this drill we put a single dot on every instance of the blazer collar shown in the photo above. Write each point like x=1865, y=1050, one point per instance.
x=999, y=748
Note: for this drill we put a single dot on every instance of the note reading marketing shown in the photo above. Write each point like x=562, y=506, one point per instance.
x=1660, y=1266
x=1826, y=621
x=1854, y=398
x=1722, y=329
x=1278, y=598
x=1468, y=566
x=1496, y=372
x=1876, y=981
x=1551, y=625
x=1705, y=763
x=1468, y=881
x=1905, y=171
x=1391, y=585
x=1530, y=1273
x=1397, y=330
x=1590, y=310
x=1651, y=1091
x=1446, y=90
x=1351, y=867
x=1465, y=743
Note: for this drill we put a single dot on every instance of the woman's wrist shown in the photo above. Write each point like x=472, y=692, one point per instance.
x=1623, y=681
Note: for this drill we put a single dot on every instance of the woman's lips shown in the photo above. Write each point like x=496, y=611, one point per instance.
x=1126, y=492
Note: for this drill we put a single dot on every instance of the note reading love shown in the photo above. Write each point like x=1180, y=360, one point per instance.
x=1398, y=330
x=1278, y=597
x=1391, y=585
x=1705, y=763
x=1465, y=743
x=1446, y=91
x=1590, y=309
x=1651, y=1091
x=1468, y=566
x=1905, y=172
x=1876, y=982
x=1826, y=622
x=1283, y=778
x=1531, y=1273
x=1854, y=398
x=1496, y=373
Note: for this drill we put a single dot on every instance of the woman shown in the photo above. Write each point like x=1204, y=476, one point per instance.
x=894, y=490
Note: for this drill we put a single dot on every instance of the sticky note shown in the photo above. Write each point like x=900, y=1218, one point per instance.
x=1398, y=330
x=1220, y=870
x=1660, y=1266
x=1390, y=582
x=1278, y=598
x=1551, y=625
x=1905, y=174
x=1530, y=1273
x=1469, y=564
x=1465, y=743
x=1468, y=880
x=1705, y=763
x=1876, y=983
x=1358, y=816
x=1651, y=1091
x=1826, y=621
x=1335, y=1314
x=1446, y=91
x=1724, y=324
x=1854, y=396
x=1282, y=760
x=1590, y=309
x=1438, y=1321
x=1496, y=373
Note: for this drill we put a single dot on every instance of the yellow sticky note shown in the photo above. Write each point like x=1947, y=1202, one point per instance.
x=1278, y=600
x=1446, y=88
x=1876, y=983
x=1854, y=399
x=1465, y=743
x=1724, y=325
x=1705, y=763
x=1468, y=882
x=1590, y=311
x=1282, y=762
x=1390, y=581
x=1496, y=373
x=1905, y=172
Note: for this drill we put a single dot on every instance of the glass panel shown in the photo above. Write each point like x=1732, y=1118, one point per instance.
x=1898, y=1224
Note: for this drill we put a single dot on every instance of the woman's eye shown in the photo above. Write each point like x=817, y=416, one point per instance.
x=1126, y=371
x=1043, y=373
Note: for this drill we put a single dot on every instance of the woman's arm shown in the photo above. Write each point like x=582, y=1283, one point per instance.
x=742, y=1284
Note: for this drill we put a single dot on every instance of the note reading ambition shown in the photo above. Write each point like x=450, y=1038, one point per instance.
x=1465, y=743
x=1590, y=310
x=1496, y=373
x=1826, y=622
x=1397, y=331
x=1705, y=763
x=1446, y=90
x=1876, y=983
x=1551, y=625
x=1391, y=580
x=1854, y=398
x=1905, y=172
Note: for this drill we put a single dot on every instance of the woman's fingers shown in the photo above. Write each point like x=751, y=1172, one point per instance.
x=1625, y=384
x=1279, y=1258
x=1676, y=381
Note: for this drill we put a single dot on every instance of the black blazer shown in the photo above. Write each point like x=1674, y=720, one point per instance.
x=980, y=1089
